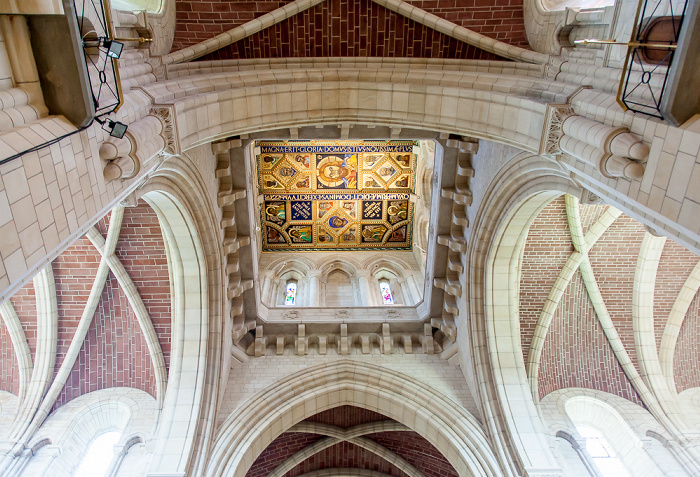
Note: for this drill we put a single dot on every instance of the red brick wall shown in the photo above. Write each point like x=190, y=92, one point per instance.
x=347, y=416
x=9, y=368
x=348, y=28
x=499, y=19
x=74, y=271
x=199, y=20
x=614, y=259
x=285, y=446
x=674, y=268
x=142, y=252
x=114, y=352
x=547, y=249
x=687, y=354
x=417, y=451
x=590, y=214
x=576, y=352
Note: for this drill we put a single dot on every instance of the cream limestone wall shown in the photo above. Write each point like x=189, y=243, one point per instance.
x=487, y=106
x=427, y=369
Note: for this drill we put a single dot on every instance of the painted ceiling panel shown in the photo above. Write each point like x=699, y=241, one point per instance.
x=337, y=195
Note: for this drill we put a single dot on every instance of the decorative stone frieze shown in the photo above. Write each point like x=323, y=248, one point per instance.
x=341, y=339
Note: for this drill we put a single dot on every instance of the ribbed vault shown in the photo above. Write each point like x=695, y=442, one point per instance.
x=588, y=272
x=346, y=438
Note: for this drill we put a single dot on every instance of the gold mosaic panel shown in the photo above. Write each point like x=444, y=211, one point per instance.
x=336, y=195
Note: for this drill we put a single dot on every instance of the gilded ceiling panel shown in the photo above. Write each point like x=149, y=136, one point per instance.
x=336, y=195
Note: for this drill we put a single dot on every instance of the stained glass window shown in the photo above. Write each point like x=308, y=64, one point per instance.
x=387, y=298
x=291, y=295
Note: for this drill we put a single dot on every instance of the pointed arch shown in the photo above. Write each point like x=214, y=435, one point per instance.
x=178, y=195
x=516, y=195
x=447, y=426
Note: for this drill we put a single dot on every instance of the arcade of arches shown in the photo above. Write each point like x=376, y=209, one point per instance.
x=350, y=238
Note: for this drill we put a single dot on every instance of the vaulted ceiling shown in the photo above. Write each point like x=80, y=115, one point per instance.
x=127, y=341
x=578, y=328
x=348, y=438
x=349, y=28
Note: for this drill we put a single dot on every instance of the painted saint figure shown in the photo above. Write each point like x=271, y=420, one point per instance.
x=336, y=173
x=287, y=171
x=324, y=237
x=302, y=159
x=373, y=233
x=269, y=161
x=386, y=171
x=275, y=212
x=398, y=235
x=371, y=183
x=401, y=182
x=403, y=160
x=273, y=236
x=337, y=222
x=371, y=159
x=301, y=234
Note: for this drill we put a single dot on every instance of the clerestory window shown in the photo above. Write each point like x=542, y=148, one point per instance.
x=290, y=296
x=385, y=289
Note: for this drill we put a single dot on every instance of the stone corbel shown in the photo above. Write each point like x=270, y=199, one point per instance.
x=386, y=342
x=124, y=156
x=260, y=341
x=614, y=151
x=427, y=340
x=302, y=341
x=344, y=340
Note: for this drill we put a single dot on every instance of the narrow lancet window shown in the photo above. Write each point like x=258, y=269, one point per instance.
x=387, y=298
x=98, y=456
x=602, y=453
x=291, y=296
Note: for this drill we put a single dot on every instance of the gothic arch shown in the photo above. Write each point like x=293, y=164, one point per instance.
x=74, y=425
x=334, y=264
x=516, y=195
x=454, y=432
x=445, y=107
x=178, y=195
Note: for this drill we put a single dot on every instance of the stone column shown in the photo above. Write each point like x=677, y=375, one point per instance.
x=265, y=288
x=314, y=295
x=412, y=290
x=366, y=298
x=614, y=151
x=275, y=297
